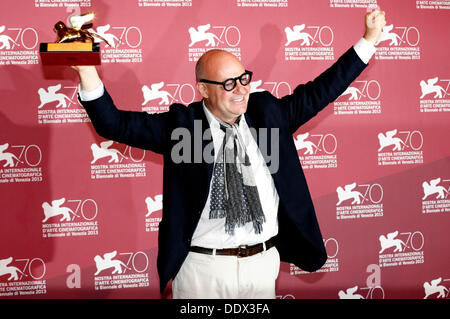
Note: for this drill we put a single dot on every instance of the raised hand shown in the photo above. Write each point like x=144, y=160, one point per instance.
x=375, y=21
x=89, y=77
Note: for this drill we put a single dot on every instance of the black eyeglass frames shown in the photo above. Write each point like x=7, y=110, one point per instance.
x=230, y=84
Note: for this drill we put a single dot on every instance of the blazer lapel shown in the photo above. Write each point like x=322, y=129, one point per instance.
x=262, y=136
x=199, y=114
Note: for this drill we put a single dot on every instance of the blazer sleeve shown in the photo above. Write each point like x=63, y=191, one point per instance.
x=308, y=99
x=137, y=129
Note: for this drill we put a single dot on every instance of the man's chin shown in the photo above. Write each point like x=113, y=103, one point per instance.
x=240, y=108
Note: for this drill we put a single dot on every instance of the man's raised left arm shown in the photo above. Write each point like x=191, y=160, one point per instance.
x=308, y=99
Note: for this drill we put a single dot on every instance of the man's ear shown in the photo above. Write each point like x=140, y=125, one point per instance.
x=203, y=89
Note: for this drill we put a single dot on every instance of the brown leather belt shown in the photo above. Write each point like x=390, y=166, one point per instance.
x=241, y=251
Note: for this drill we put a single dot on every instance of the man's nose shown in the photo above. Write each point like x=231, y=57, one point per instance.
x=240, y=89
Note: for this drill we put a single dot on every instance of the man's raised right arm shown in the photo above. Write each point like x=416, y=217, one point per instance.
x=137, y=129
x=89, y=78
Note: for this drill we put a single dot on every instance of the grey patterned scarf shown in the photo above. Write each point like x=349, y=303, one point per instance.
x=234, y=195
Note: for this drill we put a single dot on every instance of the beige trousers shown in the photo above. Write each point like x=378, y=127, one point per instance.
x=205, y=276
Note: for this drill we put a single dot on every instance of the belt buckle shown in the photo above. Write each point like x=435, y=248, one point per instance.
x=242, y=251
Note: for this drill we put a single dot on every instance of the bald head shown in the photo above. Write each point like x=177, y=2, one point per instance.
x=218, y=66
x=213, y=61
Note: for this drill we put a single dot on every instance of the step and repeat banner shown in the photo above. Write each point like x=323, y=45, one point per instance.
x=80, y=214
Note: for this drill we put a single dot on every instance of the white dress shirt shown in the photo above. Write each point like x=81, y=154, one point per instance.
x=210, y=233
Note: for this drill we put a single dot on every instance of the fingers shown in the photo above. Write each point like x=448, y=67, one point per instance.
x=375, y=14
x=381, y=18
x=375, y=21
x=76, y=68
x=376, y=17
x=371, y=14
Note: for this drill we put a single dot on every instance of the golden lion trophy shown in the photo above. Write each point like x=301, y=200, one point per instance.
x=74, y=45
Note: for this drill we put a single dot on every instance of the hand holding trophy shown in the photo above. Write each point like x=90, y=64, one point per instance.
x=74, y=45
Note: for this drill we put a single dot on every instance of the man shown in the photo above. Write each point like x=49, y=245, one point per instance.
x=230, y=211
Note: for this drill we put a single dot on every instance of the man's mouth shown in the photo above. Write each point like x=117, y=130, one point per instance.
x=237, y=99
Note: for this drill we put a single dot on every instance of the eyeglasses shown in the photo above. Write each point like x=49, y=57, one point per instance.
x=230, y=84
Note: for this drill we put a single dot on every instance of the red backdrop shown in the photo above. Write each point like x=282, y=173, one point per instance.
x=376, y=160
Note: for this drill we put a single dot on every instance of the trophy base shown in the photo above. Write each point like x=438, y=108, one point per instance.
x=73, y=53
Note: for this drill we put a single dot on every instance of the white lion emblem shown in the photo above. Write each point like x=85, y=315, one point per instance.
x=102, y=151
x=349, y=294
x=153, y=205
x=11, y=270
x=8, y=157
x=295, y=34
x=109, y=37
x=50, y=96
x=386, y=35
x=254, y=86
x=348, y=193
x=434, y=288
x=389, y=139
x=107, y=262
x=300, y=143
x=433, y=188
x=355, y=94
x=429, y=87
x=5, y=40
x=154, y=93
x=390, y=241
x=55, y=209
x=200, y=34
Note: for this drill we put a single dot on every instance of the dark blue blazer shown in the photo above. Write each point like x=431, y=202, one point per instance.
x=186, y=185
